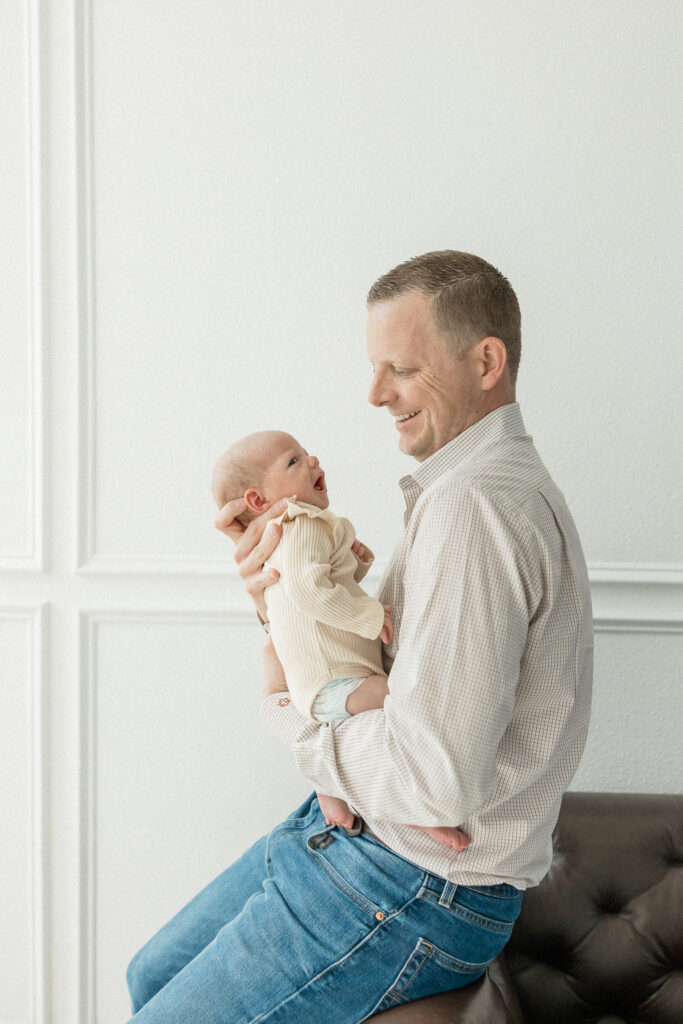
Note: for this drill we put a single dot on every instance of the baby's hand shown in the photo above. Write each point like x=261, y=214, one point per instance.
x=360, y=551
x=387, y=631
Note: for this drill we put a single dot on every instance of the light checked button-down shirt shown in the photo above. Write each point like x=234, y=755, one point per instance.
x=490, y=667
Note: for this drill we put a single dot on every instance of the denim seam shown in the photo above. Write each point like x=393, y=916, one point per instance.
x=294, y=826
x=344, y=886
x=480, y=919
x=471, y=915
x=453, y=963
x=430, y=952
x=495, y=895
x=331, y=967
x=393, y=992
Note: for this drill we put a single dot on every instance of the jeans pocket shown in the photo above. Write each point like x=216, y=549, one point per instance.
x=428, y=971
x=298, y=821
x=373, y=877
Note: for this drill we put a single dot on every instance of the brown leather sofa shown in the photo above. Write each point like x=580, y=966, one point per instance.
x=600, y=940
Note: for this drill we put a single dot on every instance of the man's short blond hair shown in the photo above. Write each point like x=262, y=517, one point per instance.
x=470, y=300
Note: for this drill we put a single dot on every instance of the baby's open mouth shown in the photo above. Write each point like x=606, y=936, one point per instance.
x=319, y=484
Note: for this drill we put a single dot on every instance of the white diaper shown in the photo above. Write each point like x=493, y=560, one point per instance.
x=330, y=704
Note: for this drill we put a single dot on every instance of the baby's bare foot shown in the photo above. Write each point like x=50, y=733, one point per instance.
x=336, y=811
x=447, y=835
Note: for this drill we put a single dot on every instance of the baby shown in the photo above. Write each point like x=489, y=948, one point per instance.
x=326, y=630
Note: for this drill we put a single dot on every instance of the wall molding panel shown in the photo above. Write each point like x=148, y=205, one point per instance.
x=627, y=592
x=87, y=398
x=36, y=618
x=33, y=560
x=636, y=626
x=111, y=565
x=620, y=581
x=90, y=622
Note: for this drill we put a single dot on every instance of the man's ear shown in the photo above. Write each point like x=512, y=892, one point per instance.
x=494, y=360
x=254, y=500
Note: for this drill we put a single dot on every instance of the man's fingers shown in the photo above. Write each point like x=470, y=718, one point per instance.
x=253, y=542
x=226, y=520
x=254, y=559
x=257, y=583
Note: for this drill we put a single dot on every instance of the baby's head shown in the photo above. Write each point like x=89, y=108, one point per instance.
x=264, y=467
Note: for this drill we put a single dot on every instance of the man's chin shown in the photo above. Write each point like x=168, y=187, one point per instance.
x=410, y=446
x=417, y=451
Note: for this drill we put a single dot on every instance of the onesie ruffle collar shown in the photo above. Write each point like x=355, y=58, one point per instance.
x=302, y=508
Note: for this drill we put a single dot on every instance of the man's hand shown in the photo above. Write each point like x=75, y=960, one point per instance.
x=254, y=544
x=273, y=674
x=387, y=630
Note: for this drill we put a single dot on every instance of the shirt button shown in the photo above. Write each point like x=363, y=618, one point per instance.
x=380, y=916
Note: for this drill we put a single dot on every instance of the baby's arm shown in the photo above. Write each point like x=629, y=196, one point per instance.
x=305, y=578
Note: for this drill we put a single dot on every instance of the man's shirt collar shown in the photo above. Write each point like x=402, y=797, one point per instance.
x=498, y=425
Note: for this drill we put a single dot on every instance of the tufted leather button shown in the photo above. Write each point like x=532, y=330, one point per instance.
x=611, y=905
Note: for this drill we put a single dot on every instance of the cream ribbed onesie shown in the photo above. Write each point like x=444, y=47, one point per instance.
x=323, y=625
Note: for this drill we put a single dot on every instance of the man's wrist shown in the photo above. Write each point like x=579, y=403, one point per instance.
x=264, y=622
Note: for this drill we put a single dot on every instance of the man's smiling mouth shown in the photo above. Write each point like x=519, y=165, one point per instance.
x=406, y=417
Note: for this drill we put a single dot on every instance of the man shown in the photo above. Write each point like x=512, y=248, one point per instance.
x=486, y=718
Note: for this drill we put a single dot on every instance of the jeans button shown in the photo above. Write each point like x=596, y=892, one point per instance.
x=380, y=916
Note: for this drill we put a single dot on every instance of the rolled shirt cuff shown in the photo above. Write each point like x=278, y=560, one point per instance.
x=282, y=717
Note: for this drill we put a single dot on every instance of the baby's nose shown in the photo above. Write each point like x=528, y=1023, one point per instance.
x=313, y=462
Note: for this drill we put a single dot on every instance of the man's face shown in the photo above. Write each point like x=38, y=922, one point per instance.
x=415, y=376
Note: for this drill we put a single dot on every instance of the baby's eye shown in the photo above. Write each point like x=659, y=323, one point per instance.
x=294, y=458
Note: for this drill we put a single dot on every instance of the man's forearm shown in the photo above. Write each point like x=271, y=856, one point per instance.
x=363, y=763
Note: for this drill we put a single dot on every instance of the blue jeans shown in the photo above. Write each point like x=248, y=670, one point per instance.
x=313, y=924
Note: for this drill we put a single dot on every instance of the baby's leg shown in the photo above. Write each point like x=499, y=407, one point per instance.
x=368, y=696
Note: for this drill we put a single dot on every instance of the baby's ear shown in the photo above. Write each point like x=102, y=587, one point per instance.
x=254, y=500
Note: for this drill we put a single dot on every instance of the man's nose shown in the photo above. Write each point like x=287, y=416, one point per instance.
x=379, y=394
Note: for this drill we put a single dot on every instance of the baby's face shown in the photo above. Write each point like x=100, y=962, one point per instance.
x=291, y=470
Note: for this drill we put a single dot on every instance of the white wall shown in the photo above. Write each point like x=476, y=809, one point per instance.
x=195, y=199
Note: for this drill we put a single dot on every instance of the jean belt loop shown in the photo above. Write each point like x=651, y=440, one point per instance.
x=446, y=897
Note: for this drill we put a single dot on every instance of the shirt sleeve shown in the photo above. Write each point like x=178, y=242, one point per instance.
x=305, y=578
x=428, y=757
